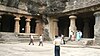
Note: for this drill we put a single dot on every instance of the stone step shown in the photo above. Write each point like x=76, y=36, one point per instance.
x=24, y=37
x=7, y=33
x=74, y=43
x=6, y=37
x=83, y=41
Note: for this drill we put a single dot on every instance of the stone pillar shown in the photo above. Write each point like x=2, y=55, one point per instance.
x=55, y=21
x=72, y=24
x=0, y=22
x=27, y=27
x=97, y=28
x=86, y=29
x=17, y=26
x=39, y=27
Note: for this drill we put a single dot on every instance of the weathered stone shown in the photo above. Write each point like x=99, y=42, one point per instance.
x=22, y=6
x=97, y=27
x=8, y=37
x=4, y=2
x=46, y=34
x=97, y=41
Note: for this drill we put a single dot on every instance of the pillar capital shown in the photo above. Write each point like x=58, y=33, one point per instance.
x=72, y=17
x=28, y=20
x=97, y=13
x=17, y=19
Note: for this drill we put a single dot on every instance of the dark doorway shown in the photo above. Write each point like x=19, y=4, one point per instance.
x=85, y=22
x=33, y=25
x=7, y=23
x=63, y=26
x=22, y=24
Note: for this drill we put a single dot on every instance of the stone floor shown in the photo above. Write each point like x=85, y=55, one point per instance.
x=23, y=49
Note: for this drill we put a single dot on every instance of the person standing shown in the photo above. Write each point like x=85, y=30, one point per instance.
x=31, y=40
x=73, y=37
x=41, y=40
x=57, y=42
x=70, y=35
x=62, y=39
x=78, y=35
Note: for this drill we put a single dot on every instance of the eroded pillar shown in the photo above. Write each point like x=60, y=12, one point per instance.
x=39, y=27
x=17, y=26
x=97, y=27
x=72, y=24
x=55, y=21
x=27, y=27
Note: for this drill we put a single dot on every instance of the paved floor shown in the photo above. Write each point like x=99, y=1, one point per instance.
x=23, y=49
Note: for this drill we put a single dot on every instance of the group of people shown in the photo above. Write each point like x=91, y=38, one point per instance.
x=32, y=40
x=58, y=40
x=75, y=36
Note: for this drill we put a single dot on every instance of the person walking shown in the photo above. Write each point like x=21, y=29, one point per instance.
x=57, y=42
x=31, y=40
x=41, y=40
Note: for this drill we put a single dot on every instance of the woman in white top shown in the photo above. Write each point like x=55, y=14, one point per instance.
x=41, y=40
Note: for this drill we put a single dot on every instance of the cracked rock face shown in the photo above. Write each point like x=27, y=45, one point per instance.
x=12, y=3
x=34, y=5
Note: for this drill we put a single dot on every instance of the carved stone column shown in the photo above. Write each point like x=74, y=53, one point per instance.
x=72, y=24
x=17, y=26
x=97, y=27
x=27, y=27
x=39, y=27
x=0, y=22
x=55, y=21
x=86, y=29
